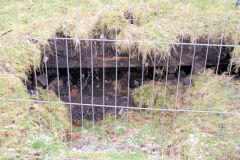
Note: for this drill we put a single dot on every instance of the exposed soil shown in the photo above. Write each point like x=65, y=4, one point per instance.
x=85, y=83
x=92, y=51
x=81, y=89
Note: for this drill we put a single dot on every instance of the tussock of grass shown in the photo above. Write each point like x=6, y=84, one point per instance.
x=25, y=122
x=45, y=18
x=205, y=135
x=207, y=91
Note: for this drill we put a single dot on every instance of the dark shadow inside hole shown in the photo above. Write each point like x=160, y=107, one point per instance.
x=80, y=90
x=80, y=87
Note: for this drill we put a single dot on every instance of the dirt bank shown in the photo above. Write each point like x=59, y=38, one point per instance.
x=75, y=72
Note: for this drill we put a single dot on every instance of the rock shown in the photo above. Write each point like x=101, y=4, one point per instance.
x=102, y=36
x=45, y=59
x=54, y=85
x=42, y=79
x=183, y=73
x=136, y=83
x=120, y=112
x=198, y=68
x=32, y=92
x=172, y=69
x=171, y=77
x=187, y=82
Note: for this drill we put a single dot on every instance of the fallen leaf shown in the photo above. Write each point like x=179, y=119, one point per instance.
x=115, y=139
x=100, y=122
x=123, y=147
x=76, y=137
x=130, y=90
x=89, y=138
x=24, y=131
x=206, y=130
x=4, y=134
x=124, y=92
x=77, y=124
x=74, y=93
x=24, y=139
x=98, y=148
x=154, y=149
x=36, y=154
x=111, y=136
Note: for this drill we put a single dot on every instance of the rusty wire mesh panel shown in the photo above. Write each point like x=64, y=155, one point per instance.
x=119, y=79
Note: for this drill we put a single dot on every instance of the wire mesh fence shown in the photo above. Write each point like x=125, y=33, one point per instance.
x=123, y=79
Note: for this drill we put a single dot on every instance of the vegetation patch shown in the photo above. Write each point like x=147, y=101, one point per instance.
x=31, y=121
x=84, y=21
x=208, y=129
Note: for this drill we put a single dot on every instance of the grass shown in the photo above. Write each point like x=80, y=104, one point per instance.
x=45, y=18
x=209, y=93
x=23, y=123
x=168, y=134
x=21, y=131
x=204, y=131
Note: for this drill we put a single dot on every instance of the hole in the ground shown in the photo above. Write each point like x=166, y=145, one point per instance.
x=80, y=89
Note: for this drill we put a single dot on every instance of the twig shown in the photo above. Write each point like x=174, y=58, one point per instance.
x=86, y=81
x=6, y=33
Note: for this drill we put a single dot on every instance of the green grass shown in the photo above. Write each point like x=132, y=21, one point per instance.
x=44, y=19
x=201, y=128
x=24, y=122
x=207, y=91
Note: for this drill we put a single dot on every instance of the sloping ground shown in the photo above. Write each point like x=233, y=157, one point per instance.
x=27, y=126
x=43, y=19
x=84, y=20
x=189, y=133
x=197, y=130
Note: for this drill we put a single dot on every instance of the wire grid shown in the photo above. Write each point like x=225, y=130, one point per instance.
x=140, y=107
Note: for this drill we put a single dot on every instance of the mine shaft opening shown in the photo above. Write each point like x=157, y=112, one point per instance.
x=88, y=81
